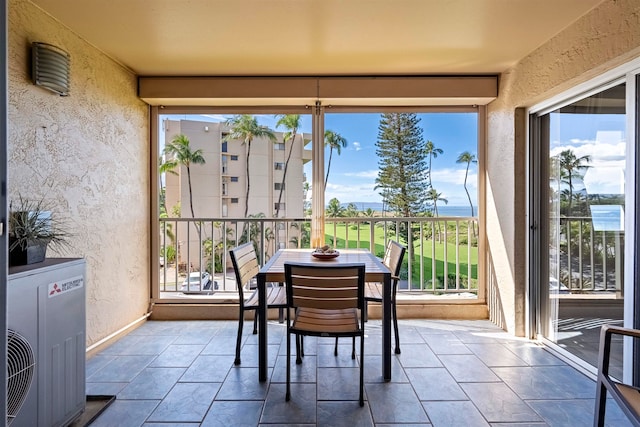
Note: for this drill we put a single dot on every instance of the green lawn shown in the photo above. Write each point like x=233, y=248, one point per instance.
x=427, y=250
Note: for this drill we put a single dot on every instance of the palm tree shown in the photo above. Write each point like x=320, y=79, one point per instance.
x=180, y=153
x=572, y=167
x=468, y=158
x=432, y=152
x=306, y=187
x=246, y=128
x=166, y=232
x=255, y=233
x=369, y=213
x=335, y=141
x=436, y=197
x=351, y=210
x=291, y=122
x=163, y=168
x=334, y=210
x=166, y=228
x=304, y=234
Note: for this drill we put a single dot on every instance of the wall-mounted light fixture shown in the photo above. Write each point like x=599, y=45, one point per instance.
x=50, y=68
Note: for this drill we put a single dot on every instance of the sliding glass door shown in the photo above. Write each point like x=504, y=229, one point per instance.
x=581, y=149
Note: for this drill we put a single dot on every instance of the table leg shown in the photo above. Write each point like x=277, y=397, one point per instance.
x=386, y=328
x=262, y=328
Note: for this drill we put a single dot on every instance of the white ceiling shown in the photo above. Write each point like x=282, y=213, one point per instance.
x=316, y=37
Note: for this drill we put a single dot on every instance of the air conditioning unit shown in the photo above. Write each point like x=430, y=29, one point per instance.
x=21, y=363
x=46, y=343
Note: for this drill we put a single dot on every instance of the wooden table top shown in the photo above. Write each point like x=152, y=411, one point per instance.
x=375, y=270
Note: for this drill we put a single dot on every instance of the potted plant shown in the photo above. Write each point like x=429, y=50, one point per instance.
x=32, y=229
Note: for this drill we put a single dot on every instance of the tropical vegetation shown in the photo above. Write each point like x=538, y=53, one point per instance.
x=179, y=152
x=402, y=167
x=334, y=141
x=246, y=128
x=291, y=122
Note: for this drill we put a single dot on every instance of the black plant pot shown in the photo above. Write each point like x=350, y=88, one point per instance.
x=30, y=255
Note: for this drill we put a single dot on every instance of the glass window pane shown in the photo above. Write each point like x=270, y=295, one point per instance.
x=588, y=146
x=219, y=189
x=417, y=165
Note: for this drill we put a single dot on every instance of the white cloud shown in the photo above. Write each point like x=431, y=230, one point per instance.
x=455, y=197
x=605, y=174
x=581, y=141
x=604, y=180
x=599, y=152
x=216, y=117
x=610, y=137
x=370, y=174
x=351, y=193
x=356, y=146
x=454, y=176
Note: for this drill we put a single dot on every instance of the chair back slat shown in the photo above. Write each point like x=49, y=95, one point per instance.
x=393, y=255
x=325, y=287
x=245, y=265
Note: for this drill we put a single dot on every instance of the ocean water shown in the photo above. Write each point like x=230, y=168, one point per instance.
x=442, y=210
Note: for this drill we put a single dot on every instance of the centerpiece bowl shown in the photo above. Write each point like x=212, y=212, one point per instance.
x=325, y=255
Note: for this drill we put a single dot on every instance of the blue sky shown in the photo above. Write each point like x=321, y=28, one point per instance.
x=353, y=173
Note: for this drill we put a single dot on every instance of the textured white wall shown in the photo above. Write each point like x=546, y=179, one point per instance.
x=606, y=37
x=88, y=153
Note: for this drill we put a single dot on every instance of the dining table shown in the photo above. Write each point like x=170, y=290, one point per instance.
x=273, y=271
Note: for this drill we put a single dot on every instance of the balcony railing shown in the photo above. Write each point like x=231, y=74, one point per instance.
x=588, y=260
x=442, y=258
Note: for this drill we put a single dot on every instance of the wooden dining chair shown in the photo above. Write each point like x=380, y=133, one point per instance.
x=327, y=302
x=625, y=395
x=373, y=291
x=246, y=267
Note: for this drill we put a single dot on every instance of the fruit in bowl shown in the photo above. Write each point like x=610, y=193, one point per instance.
x=326, y=249
x=325, y=252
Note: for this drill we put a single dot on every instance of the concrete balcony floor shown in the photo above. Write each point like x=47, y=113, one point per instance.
x=450, y=373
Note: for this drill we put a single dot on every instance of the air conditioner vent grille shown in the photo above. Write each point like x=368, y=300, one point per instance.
x=20, y=370
x=51, y=68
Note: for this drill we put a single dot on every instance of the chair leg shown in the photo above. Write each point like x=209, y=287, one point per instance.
x=395, y=328
x=255, y=323
x=281, y=310
x=239, y=339
x=288, y=394
x=601, y=404
x=299, y=346
x=604, y=352
x=361, y=368
x=364, y=312
x=335, y=350
x=353, y=348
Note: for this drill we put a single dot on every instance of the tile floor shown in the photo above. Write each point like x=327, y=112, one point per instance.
x=450, y=373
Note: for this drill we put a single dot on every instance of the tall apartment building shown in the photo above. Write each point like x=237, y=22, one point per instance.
x=219, y=185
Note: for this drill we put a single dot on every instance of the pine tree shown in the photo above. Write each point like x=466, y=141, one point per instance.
x=402, y=174
x=402, y=168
